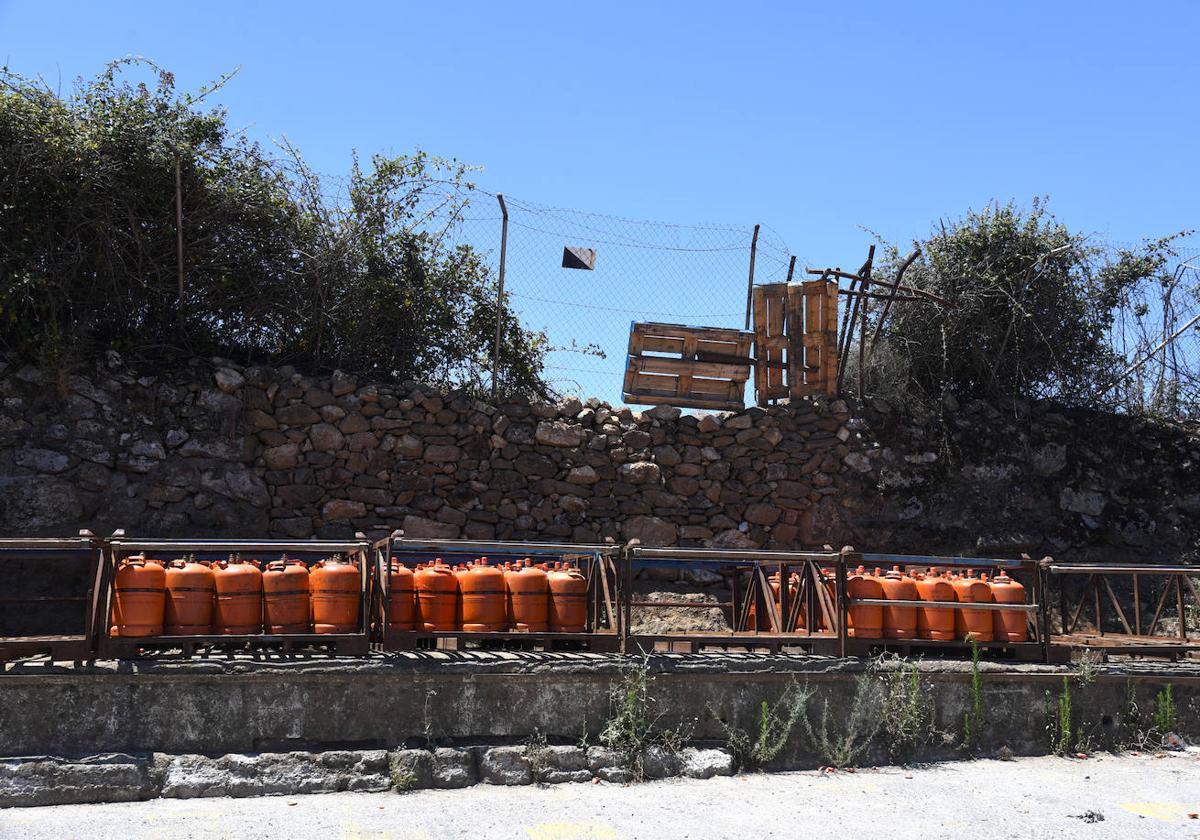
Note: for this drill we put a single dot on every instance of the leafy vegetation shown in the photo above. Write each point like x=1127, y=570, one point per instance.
x=1029, y=305
x=772, y=729
x=271, y=267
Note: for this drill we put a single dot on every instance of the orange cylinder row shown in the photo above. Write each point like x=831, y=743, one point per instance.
x=234, y=597
x=482, y=598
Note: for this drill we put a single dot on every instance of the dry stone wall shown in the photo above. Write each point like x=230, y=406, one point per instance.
x=221, y=449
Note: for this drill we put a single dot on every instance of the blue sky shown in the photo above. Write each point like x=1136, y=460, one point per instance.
x=814, y=118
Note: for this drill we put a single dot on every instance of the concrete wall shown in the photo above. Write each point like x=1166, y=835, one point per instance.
x=227, y=707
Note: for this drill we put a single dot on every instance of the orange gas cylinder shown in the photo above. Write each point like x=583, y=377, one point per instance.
x=402, y=598
x=866, y=621
x=568, y=600
x=189, y=598
x=437, y=592
x=936, y=624
x=336, y=595
x=140, y=598
x=484, y=608
x=460, y=572
x=899, y=622
x=1008, y=625
x=972, y=624
x=237, y=607
x=528, y=598
x=286, y=596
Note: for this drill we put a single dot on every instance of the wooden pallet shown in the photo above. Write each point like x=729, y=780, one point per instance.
x=707, y=367
x=771, y=345
x=795, y=340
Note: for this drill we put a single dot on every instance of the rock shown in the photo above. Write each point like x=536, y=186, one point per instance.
x=667, y=455
x=191, y=776
x=640, y=472
x=609, y=765
x=582, y=475
x=41, y=460
x=229, y=380
x=552, y=433
x=569, y=406
x=709, y=423
x=56, y=781
x=341, y=384
x=858, y=462
x=759, y=513
x=418, y=527
x=565, y=764
x=148, y=449
x=296, y=415
x=29, y=504
x=176, y=437
x=410, y=770
x=732, y=538
x=326, y=437
x=336, y=510
x=443, y=453
x=738, y=422
x=505, y=766
x=664, y=412
x=706, y=763
x=1049, y=458
x=283, y=457
x=650, y=530
x=660, y=763
x=453, y=768
x=572, y=504
x=1087, y=502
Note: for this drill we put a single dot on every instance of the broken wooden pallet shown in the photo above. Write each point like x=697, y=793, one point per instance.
x=795, y=340
x=695, y=367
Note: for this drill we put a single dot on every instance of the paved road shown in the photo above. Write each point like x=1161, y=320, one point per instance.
x=1138, y=796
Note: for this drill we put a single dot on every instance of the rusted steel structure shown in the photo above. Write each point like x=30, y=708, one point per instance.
x=64, y=629
x=109, y=646
x=1136, y=634
x=603, y=631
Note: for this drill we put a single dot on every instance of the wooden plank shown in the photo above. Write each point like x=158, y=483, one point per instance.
x=687, y=368
x=713, y=404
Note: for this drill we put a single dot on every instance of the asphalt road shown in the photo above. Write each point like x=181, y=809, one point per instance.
x=1136, y=796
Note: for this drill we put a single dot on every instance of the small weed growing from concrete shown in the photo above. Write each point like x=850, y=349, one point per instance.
x=403, y=774
x=1164, y=712
x=1063, y=721
x=537, y=756
x=1086, y=667
x=973, y=717
x=907, y=708
x=844, y=748
x=633, y=723
x=772, y=730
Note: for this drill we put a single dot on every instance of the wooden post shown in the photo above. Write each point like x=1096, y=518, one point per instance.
x=500, y=296
x=750, y=282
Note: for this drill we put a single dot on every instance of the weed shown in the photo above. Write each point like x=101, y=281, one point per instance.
x=428, y=728
x=633, y=723
x=907, y=708
x=537, y=755
x=862, y=724
x=1164, y=712
x=772, y=731
x=404, y=773
x=1086, y=667
x=1063, y=720
x=973, y=717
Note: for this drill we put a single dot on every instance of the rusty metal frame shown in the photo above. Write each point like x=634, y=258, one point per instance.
x=603, y=631
x=120, y=546
x=1133, y=641
x=75, y=647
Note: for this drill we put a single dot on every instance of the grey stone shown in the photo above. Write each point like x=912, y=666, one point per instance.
x=282, y=457
x=35, y=503
x=857, y=461
x=410, y=770
x=550, y=433
x=664, y=412
x=609, y=765
x=325, y=437
x=229, y=380
x=505, y=766
x=341, y=383
x=176, y=437
x=1049, y=458
x=569, y=406
x=42, y=460
x=640, y=472
x=191, y=776
x=738, y=422
x=660, y=763
x=453, y=768
x=55, y=781
x=442, y=453
x=705, y=763
x=565, y=764
x=1087, y=502
x=418, y=527
x=650, y=530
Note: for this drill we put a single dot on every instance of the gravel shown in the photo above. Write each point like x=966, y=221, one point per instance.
x=1136, y=796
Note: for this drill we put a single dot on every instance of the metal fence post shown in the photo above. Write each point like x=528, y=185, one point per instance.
x=500, y=297
x=750, y=282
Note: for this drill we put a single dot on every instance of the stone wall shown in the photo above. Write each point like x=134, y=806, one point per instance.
x=220, y=449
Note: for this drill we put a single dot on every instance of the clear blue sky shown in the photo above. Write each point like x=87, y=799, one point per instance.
x=814, y=118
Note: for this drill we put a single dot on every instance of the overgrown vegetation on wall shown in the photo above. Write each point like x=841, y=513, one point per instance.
x=273, y=267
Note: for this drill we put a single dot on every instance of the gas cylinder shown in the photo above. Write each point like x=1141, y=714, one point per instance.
x=189, y=604
x=899, y=622
x=936, y=624
x=528, y=590
x=568, y=600
x=437, y=591
x=972, y=624
x=336, y=595
x=286, y=596
x=402, y=599
x=484, y=609
x=460, y=572
x=237, y=607
x=140, y=597
x=866, y=621
x=1008, y=625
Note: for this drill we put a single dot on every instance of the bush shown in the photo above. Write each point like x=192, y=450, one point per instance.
x=273, y=269
x=1029, y=307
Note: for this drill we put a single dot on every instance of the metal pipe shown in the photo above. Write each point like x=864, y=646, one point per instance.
x=309, y=546
x=944, y=605
x=458, y=546
x=933, y=560
x=750, y=282
x=1103, y=569
x=500, y=296
x=739, y=554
